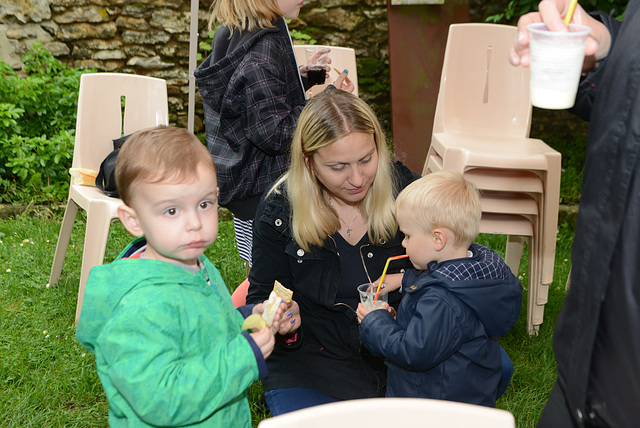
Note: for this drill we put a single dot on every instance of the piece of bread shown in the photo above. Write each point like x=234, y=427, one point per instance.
x=83, y=176
x=279, y=294
x=282, y=291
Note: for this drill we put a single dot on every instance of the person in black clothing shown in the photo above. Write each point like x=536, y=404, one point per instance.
x=597, y=336
x=324, y=228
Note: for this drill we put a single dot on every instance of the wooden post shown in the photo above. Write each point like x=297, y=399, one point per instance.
x=417, y=39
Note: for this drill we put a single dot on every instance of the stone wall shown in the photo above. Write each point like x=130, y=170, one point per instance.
x=151, y=37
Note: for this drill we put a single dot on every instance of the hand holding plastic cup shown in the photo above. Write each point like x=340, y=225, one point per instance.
x=368, y=294
x=317, y=58
x=556, y=64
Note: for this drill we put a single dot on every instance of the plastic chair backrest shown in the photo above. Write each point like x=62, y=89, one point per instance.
x=101, y=118
x=480, y=91
x=389, y=412
x=341, y=58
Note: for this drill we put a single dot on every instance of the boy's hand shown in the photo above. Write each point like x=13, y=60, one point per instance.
x=290, y=320
x=265, y=340
x=362, y=312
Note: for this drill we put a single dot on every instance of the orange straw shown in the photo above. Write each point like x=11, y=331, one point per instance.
x=569, y=15
x=384, y=272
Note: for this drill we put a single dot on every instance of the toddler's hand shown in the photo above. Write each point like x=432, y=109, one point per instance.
x=361, y=312
x=265, y=340
x=391, y=310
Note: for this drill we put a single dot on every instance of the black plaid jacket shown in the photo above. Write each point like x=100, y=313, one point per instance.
x=252, y=96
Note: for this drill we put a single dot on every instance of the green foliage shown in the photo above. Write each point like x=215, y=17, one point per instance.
x=40, y=163
x=37, y=121
x=373, y=76
x=516, y=8
x=9, y=115
x=206, y=46
x=303, y=37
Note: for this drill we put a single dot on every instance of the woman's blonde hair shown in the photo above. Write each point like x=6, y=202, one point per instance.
x=244, y=15
x=329, y=116
x=444, y=199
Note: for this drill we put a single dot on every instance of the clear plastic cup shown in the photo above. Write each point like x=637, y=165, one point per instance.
x=317, y=60
x=556, y=65
x=368, y=292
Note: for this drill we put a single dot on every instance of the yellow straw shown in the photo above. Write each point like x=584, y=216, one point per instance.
x=569, y=15
x=384, y=272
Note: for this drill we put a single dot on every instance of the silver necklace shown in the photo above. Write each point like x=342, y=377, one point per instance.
x=349, y=228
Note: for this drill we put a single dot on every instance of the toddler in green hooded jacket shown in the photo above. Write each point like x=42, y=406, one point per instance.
x=168, y=343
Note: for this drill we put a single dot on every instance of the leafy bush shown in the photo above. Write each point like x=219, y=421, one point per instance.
x=37, y=122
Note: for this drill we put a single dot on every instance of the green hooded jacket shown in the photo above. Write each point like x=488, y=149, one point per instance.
x=168, y=346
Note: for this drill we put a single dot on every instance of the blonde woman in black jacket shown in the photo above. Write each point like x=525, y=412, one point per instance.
x=326, y=227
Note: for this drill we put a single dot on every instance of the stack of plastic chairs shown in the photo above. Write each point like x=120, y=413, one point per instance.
x=481, y=129
x=341, y=58
x=110, y=105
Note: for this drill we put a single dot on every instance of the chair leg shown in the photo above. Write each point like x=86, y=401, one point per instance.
x=95, y=243
x=62, y=245
x=513, y=252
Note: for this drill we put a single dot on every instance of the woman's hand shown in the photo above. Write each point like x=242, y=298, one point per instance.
x=290, y=320
x=551, y=12
x=343, y=82
x=313, y=62
x=393, y=280
x=361, y=312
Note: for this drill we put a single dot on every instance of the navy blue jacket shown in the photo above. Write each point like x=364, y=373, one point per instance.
x=442, y=344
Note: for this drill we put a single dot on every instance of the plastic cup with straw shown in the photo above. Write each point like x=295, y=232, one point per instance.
x=384, y=272
x=556, y=59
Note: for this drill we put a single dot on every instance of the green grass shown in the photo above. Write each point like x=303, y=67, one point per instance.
x=48, y=379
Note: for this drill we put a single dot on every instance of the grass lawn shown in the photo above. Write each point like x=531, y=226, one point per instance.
x=48, y=379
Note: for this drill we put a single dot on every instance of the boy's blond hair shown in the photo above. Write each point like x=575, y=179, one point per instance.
x=329, y=116
x=444, y=199
x=244, y=15
x=157, y=155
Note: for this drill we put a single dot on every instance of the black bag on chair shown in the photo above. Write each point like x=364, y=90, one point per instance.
x=106, y=178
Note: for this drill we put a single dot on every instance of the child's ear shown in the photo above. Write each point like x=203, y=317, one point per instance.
x=439, y=239
x=129, y=219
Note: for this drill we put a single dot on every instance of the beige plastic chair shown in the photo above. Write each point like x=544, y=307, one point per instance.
x=393, y=412
x=341, y=58
x=482, y=123
x=110, y=105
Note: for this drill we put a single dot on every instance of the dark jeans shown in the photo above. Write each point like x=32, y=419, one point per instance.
x=507, y=372
x=285, y=400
